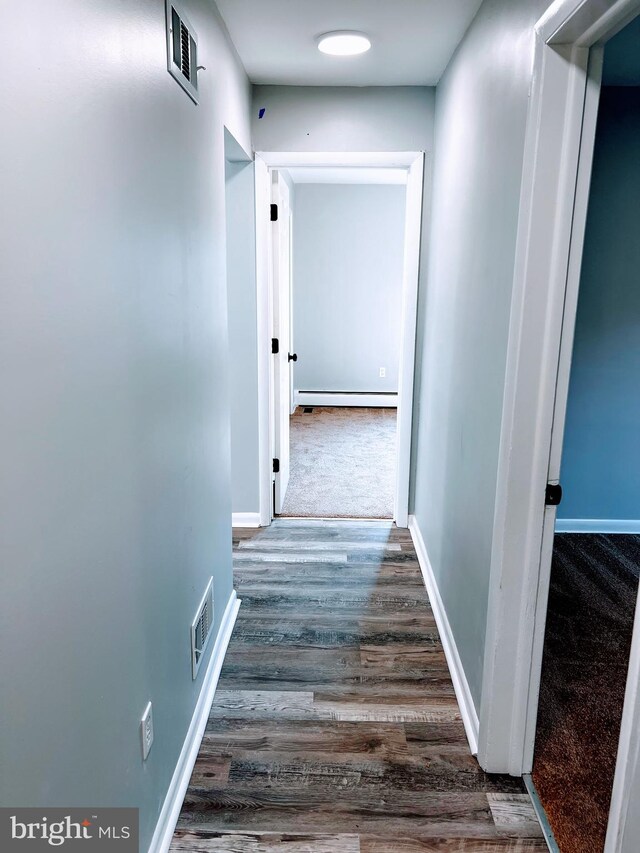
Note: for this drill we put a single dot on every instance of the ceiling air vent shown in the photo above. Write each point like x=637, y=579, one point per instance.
x=182, y=49
x=201, y=629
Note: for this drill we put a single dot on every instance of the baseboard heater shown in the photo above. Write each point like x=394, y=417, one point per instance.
x=370, y=399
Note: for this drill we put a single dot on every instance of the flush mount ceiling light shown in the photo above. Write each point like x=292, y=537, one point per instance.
x=343, y=43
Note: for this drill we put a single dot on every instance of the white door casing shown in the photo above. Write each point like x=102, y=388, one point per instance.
x=413, y=163
x=281, y=284
x=263, y=337
x=410, y=277
x=292, y=343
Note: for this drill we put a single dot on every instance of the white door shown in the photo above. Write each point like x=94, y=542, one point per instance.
x=282, y=364
x=292, y=404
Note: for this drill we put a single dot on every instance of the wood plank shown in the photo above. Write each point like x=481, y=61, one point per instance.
x=308, y=810
x=368, y=688
x=211, y=768
x=301, y=737
x=393, y=844
x=263, y=842
x=375, y=776
x=312, y=545
x=297, y=557
x=303, y=705
x=513, y=814
x=330, y=633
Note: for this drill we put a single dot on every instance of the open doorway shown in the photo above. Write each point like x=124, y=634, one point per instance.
x=340, y=299
x=342, y=253
x=596, y=549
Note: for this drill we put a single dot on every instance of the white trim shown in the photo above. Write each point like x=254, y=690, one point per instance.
x=410, y=279
x=626, y=783
x=558, y=147
x=583, y=99
x=460, y=684
x=322, y=521
x=585, y=22
x=263, y=308
x=413, y=161
x=597, y=525
x=346, y=398
x=245, y=519
x=364, y=159
x=281, y=330
x=583, y=187
x=538, y=808
x=170, y=812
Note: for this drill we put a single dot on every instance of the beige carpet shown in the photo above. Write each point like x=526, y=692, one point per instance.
x=343, y=463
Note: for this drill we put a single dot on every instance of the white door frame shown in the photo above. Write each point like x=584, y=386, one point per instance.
x=264, y=325
x=413, y=162
x=557, y=164
x=281, y=327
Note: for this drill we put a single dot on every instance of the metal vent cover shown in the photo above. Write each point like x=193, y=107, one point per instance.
x=182, y=49
x=201, y=629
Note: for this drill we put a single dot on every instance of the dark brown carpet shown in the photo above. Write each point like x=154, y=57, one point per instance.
x=594, y=583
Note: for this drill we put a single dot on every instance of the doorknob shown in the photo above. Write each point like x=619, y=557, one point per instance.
x=292, y=356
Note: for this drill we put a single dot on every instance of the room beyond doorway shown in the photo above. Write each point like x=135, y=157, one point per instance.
x=344, y=320
x=338, y=257
x=284, y=355
x=343, y=462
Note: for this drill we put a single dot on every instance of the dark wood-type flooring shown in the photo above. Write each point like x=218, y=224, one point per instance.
x=592, y=600
x=335, y=727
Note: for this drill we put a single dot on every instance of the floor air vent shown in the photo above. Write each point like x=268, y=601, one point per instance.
x=182, y=49
x=201, y=629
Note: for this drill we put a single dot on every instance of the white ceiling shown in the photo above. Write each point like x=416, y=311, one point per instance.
x=346, y=175
x=412, y=40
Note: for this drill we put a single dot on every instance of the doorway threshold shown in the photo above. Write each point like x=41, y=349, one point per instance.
x=543, y=820
x=333, y=519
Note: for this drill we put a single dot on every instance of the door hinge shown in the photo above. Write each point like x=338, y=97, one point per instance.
x=276, y=466
x=553, y=494
x=275, y=346
x=274, y=212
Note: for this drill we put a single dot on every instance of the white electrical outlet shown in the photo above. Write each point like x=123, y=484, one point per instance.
x=383, y=372
x=146, y=731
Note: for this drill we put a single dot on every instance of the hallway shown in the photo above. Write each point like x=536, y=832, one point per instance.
x=335, y=728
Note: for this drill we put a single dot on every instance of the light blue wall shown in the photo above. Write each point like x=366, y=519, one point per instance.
x=243, y=346
x=343, y=118
x=464, y=305
x=601, y=453
x=115, y=502
x=348, y=247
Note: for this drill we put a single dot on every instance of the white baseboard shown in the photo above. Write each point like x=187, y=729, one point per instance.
x=339, y=398
x=170, y=812
x=460, y=683
x=597, y=525
x=245, y=519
